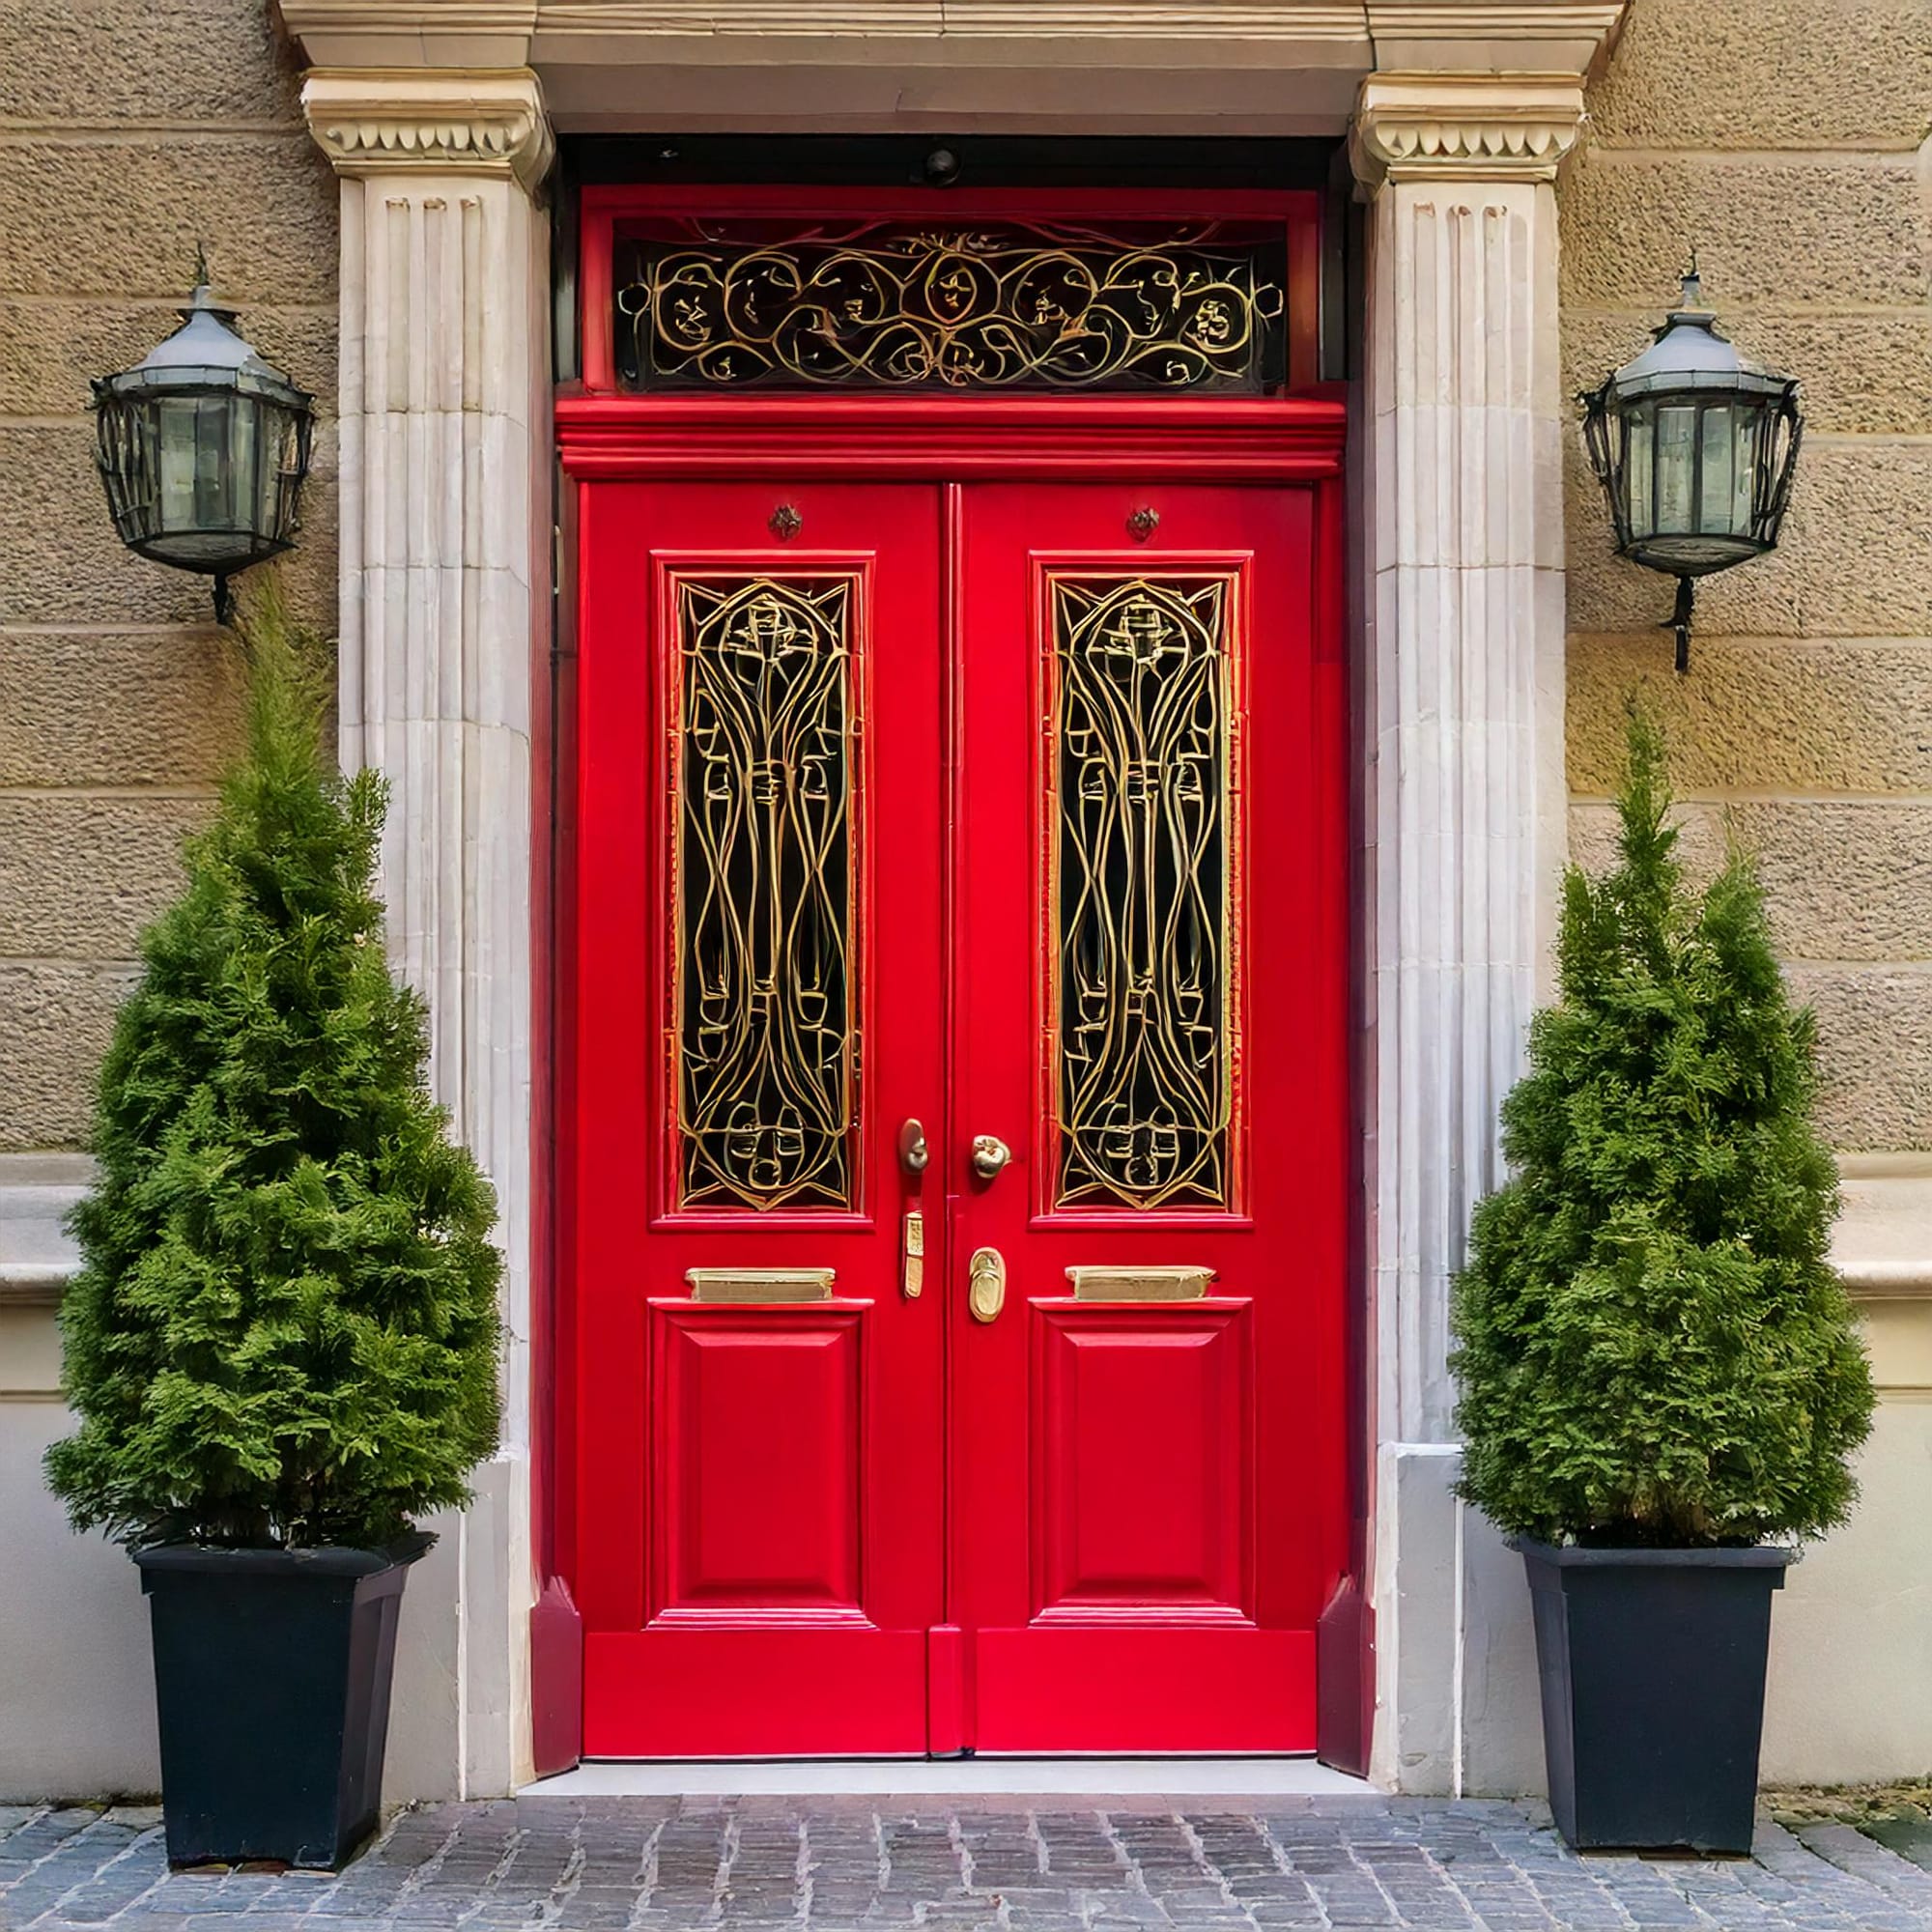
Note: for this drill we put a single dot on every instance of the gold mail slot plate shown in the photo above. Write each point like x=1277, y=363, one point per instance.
x=1139, y=1284
x=759, y=1284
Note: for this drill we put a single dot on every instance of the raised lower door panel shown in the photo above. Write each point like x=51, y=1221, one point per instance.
x=1141, y=1441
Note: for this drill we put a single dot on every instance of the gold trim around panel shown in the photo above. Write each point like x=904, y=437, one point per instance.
x=765, y=986
x=1140, y=1283
x=713, y=1283
x=1142, y=849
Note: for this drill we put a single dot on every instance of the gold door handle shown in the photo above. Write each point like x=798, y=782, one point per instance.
x=986, y=1284
x=990, y=1154
x=914, y=1154
x=912, y=1254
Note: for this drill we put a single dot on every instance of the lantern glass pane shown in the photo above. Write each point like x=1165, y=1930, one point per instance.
x=212, y=481
x=1676, y=467
x=1716, y=492
x=1640, y=454
x=1750, y=426
x=244, y=460
x=176, y=433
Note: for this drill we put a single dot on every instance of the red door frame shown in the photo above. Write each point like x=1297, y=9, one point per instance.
x=1297, y=438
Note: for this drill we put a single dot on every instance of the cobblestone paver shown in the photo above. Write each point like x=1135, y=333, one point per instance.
x=979, y=1865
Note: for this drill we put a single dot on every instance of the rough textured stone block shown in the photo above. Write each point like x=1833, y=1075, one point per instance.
x=119, y=708
x=1757, y=715
x=1777, y=73
x=1843, y=880
x=79, y=877
x=1862, y=374
x=48, y=351
x=1824, y=231
x=61, y=562
x=1875, y=1052
x=55, y=1019
x=1855, y=560
x=265, y=205
x=165, y=60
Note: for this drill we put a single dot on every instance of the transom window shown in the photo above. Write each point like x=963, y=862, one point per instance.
x=899, y=305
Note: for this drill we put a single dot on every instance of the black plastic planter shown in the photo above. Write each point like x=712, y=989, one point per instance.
x=1653, y=1664
x=272, y=1677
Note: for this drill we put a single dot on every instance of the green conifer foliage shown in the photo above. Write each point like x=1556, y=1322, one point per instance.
x=1652, y=1346
x=284, y=1331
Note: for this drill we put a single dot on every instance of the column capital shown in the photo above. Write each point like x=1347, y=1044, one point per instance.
x=1455, y=126
x=392, y=121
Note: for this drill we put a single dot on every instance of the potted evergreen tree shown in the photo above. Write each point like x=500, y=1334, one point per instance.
x=282, y=1342
x=1662, y=1383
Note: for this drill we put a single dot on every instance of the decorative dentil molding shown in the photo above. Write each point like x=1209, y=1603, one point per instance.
x=373, y=121
x=1464, y=126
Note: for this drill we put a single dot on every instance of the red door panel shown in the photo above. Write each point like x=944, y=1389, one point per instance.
x=759, y=1551
x=1149, y=1014
x=1165, y=1391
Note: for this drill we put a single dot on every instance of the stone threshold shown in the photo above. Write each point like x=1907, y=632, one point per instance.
x=954, y=1777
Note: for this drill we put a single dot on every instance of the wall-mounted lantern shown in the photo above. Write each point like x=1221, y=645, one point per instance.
x=203, y=448
x=1695, y=447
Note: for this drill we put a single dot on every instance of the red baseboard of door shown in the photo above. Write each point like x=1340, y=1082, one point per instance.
x=1087, y=1690
x=1345, y=1649
x=741, y=1693
x=556, y=1680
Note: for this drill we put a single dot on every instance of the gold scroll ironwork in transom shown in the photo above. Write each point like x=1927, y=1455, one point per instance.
x=764, y=995
x=877, y=305
x=1142, y=997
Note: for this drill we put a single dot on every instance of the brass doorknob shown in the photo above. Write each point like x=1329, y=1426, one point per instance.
x=990, y=1154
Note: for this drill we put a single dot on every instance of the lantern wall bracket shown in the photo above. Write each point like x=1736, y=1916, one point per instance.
x=1678, y=621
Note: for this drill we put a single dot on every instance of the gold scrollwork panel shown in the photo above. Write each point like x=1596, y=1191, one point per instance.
x=879, y=305
x=1142, y=997
x=765, y=996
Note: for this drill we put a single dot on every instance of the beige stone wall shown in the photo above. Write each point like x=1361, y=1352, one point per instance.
x=1785, y=140
x=130, y=129
x=1788, y=140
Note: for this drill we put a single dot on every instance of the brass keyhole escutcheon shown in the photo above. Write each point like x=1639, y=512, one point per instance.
x=986, y=1284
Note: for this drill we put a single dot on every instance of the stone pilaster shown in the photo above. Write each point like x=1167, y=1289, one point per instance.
x=444, y=583
x=1463, y=718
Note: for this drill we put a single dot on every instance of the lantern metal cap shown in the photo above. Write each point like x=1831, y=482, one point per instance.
x=1688, y=351
x=205, y=353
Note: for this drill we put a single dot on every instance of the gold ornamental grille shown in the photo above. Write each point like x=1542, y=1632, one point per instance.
x=1140, y=848
x=764, y=992
x=991, y=306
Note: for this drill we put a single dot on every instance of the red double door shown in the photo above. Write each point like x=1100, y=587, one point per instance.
x=959, y=1107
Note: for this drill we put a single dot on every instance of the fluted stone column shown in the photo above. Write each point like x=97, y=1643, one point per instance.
x=1463, y=720
x=444, y=575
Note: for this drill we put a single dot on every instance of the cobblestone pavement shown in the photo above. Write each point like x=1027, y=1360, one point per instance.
x=610, y=1864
